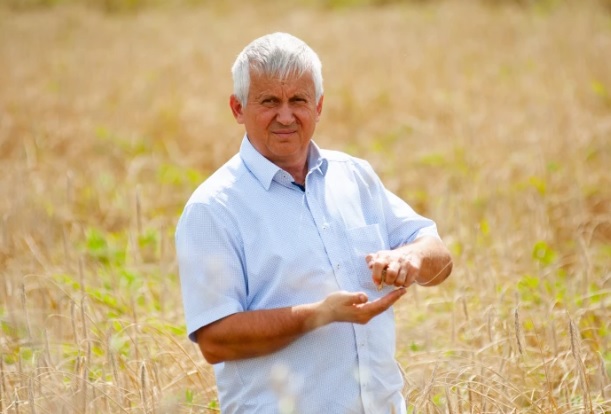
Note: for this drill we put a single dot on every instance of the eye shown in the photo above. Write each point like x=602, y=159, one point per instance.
x=269, y=101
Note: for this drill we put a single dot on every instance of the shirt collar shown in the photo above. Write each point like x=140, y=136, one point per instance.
x=265, y=170
x=316, y=161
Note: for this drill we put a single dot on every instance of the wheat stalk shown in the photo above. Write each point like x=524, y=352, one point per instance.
x=518, y=330
x=448, y=399
x=31, y=397
x=144, y=387
x=138, y=212
x=2, y=384
x=24, y=304
x=604, y=379
x=576, y=352
x=16, y=401
x=458, y=401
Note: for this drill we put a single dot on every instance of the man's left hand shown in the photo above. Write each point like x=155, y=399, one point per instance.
x=425, y=261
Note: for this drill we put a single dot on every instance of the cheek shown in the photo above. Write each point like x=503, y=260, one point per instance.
x=263, y=120
x=309, y=121
x=306, y=116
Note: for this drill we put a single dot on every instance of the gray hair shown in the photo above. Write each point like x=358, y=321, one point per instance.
x=276, y=54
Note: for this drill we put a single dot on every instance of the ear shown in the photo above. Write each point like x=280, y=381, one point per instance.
x=236, y=109
x=319, y=108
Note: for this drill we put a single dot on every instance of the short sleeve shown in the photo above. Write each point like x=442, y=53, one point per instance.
x=403, y=224
x=210, y=265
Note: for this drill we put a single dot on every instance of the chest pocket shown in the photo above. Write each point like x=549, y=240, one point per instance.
x=363, y=241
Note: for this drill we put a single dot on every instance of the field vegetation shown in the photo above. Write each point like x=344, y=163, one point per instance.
x=493, y=118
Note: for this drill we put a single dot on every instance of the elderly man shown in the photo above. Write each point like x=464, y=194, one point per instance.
x=291, y=256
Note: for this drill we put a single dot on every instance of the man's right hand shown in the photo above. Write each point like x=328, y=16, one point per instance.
x=353, y=307
x=255, y=333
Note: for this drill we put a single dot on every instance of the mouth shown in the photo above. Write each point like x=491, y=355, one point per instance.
x=284, y=134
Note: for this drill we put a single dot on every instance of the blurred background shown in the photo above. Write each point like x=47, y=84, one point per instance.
x=491, y=117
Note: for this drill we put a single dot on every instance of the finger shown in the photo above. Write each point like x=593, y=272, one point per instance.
x=378, y=271
x=390, y=298
x=365, y=312
x=401, y=276
x=380, y=305
x=353, y=298
x=413, y=270
x=392, y=272
x=377, y=257
x=369, y=259
x=360, y=298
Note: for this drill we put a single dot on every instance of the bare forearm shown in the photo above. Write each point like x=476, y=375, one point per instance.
x=425, y=261
x=255, y=333
x=436, y=263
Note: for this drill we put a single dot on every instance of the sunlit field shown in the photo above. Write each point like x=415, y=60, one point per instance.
x=493, y=118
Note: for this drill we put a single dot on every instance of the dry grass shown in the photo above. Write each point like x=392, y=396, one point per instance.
x=494, y=120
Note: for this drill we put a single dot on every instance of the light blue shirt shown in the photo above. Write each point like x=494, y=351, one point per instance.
x=249, y=239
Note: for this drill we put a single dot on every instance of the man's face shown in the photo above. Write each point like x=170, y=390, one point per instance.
x=280, y=116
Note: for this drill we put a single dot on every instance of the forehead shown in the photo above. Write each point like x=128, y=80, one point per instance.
x=261, y=84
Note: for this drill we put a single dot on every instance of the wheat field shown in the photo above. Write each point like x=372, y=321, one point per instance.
x=493, y=118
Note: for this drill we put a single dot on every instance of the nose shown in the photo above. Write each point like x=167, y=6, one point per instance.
x=285, y=115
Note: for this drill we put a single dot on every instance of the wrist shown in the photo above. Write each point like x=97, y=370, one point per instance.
x=317, y=315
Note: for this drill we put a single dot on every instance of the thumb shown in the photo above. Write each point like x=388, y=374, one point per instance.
x=358, y=298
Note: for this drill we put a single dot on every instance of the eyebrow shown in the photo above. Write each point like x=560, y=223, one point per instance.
x=297, y=96
x=266, y=96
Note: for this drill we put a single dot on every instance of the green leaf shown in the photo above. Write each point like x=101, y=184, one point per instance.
x=528, y=281
x=414, y=347
x=538, y=184
x=189, y=396
x=599, y=89
x=484, y=227
x=432, y=160
x=543, y=253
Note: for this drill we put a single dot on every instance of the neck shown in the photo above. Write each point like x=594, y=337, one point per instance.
x=298, y=172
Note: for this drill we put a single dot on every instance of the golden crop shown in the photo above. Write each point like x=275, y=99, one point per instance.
x=494, y=119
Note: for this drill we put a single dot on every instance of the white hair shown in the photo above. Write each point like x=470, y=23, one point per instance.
x=276, y=54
